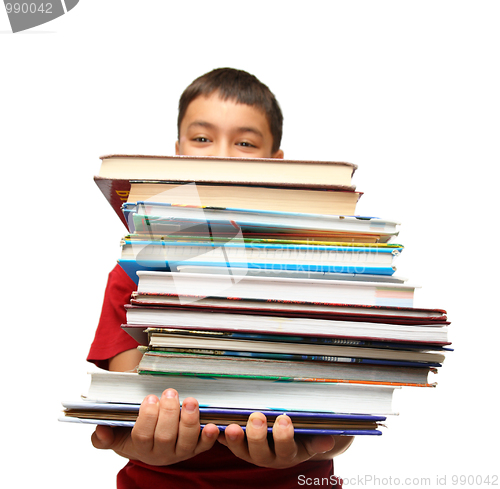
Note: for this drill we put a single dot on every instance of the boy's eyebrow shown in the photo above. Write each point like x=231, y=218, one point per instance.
x=250, y=129
x=202, y=124
x=242, y=129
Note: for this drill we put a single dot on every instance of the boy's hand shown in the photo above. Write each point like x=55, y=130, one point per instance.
x=160, y=436
x=286, y=451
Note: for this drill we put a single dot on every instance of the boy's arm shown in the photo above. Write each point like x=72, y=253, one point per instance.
x=125, y=361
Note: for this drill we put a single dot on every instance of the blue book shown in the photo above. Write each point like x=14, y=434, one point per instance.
x=307, y=423
x=163, y=255
x=224, y=241
x=161, y=218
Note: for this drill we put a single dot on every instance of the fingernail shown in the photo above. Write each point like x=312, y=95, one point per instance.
x=232, y=437
x=284, y=421
x=257, y=422
x=170, y=394
x=189, y=406
x=151, y=399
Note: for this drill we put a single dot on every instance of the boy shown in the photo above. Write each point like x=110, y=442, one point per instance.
x=225, y=112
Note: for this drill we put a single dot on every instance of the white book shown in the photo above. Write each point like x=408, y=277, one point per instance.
x=225, y=169
x=199, y=318
x=251, y=394
x=269, y=287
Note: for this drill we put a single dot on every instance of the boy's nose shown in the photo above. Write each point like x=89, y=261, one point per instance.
x=222, y=149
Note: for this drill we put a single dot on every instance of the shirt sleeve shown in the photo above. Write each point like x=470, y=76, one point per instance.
x=110, y=339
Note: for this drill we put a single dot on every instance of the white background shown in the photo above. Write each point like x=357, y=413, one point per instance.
x=409, y=91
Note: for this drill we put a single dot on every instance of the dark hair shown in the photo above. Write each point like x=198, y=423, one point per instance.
x=240, y=86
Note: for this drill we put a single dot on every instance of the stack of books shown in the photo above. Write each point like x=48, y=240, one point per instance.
x=259, y=289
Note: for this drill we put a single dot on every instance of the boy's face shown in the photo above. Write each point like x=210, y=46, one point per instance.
x=216, y=127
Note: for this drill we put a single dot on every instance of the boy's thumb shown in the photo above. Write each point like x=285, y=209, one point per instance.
x=321, y=444
x=103, y=437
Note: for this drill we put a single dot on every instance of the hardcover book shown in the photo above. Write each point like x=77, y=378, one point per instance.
x=285, y=323
x=349, y=312
x=277, y=288
x=224, y=169
x=173, y=362
x=315, y=199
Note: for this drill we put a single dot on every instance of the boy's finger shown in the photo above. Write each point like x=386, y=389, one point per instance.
x=234, y=437
x=167, y=428
x=256, y=433
x=208, y=437
x=144, y=428
x=285, y=448
x=189, y=427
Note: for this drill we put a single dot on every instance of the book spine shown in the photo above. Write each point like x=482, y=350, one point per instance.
x=116, y=192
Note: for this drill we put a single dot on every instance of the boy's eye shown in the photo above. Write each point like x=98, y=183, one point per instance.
x=201, y=140
x=246, y=144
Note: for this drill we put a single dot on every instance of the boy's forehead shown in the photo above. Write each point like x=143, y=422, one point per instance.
x=214, y=106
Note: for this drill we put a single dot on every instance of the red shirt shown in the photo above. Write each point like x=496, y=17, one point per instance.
x=216, y=468
x=110, y=339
